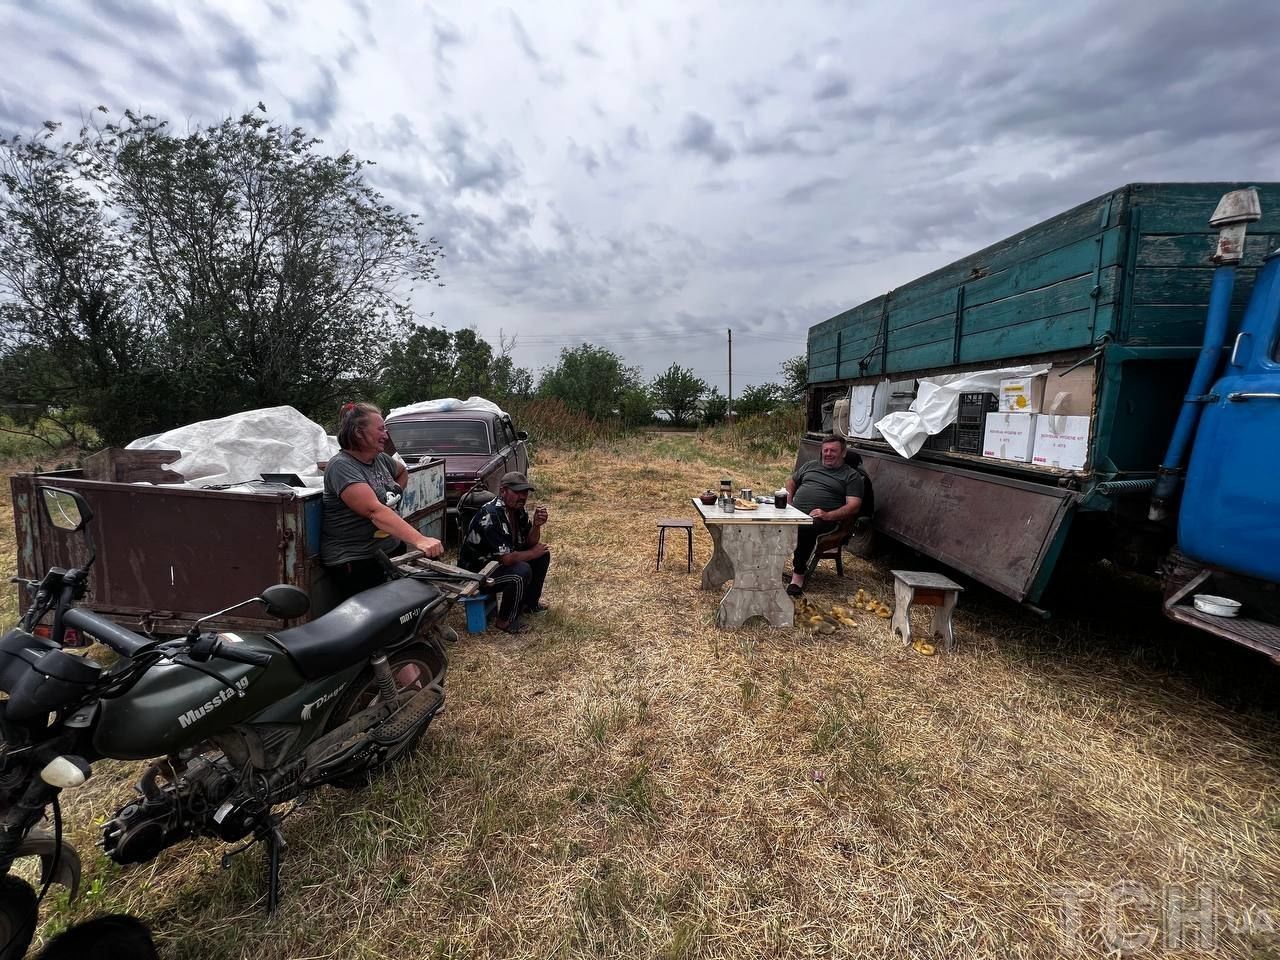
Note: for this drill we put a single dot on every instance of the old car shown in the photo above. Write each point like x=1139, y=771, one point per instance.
x=478, y=447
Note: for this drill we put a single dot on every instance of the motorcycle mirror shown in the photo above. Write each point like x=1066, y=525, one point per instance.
x=65, y=509
x=286, y=601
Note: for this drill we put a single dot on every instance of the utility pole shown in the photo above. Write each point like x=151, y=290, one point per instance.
x=728, y=413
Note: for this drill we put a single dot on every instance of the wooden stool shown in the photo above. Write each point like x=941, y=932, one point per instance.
x=928, y=590
x=678, y=524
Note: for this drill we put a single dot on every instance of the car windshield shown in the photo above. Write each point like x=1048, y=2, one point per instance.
x=418, y=437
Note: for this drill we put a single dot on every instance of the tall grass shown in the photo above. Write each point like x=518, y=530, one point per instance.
x=550, y=422
x=768, y=436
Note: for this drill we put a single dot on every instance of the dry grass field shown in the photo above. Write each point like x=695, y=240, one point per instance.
x=626, y=780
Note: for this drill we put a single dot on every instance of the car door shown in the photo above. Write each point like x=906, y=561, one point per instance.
x=518, y=445
x=1232, y=494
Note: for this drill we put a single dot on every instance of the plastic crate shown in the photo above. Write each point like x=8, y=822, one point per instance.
x=974, y=408
x=941, y=441
x=969, y=440
x=478, y=609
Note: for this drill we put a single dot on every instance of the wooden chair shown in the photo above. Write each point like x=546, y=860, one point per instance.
x=830, y=546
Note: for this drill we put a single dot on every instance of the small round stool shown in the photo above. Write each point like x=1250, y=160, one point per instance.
x=674, y=523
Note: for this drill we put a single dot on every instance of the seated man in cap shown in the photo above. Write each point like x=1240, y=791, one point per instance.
x=501, y=530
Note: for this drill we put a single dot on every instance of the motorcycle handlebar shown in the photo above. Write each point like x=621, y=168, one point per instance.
x=231, y=651
x=122, y=641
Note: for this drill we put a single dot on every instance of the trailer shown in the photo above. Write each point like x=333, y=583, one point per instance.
x=168, y=554
x=1133, y=303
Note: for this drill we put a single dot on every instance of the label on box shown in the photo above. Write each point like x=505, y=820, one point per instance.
x=1061, y=442
x=1021, y=394
x=1008, y=436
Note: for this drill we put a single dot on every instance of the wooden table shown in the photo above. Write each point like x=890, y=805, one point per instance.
x=753, y=548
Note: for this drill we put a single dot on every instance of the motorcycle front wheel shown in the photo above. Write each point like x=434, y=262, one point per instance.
x=17, y=917
x=414, y=666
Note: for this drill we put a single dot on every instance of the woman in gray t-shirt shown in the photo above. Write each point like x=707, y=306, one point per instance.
x=362, y=488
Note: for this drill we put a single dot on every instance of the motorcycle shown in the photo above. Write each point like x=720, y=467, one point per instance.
x=235, y=724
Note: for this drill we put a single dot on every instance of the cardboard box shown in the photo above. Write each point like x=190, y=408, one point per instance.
x=1009, y=436
x=1069, y=392
x=1061, y=442
x=1022, y=395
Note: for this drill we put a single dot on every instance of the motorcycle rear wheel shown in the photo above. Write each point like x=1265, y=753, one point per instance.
x=414, y=666
x=17, y=917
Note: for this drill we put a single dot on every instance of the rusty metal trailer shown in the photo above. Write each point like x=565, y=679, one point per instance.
x=168, y=555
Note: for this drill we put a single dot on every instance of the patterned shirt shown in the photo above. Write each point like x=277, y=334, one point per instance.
x=490, y=535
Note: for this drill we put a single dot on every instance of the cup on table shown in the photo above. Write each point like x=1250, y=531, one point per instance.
x=780, y=499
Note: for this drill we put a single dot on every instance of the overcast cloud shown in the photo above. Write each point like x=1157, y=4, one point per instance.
x=645, y=175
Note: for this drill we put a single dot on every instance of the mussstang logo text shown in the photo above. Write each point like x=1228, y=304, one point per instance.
x=227, y=693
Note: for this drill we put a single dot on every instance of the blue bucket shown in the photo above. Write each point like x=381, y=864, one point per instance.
x=477, y=609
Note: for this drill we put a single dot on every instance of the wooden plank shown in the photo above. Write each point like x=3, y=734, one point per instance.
x=1035, y=335
x=118, y=465
x=920, y=358
x=1186, y=207
x=1077, y=259
x=906, y=312
x=929, y=331
x=1197, y=249
x=1173, y=324
x=1061, y=298
x=1185, y=285
x=1083, y=221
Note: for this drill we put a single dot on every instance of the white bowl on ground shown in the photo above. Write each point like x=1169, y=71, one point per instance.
x=1216, y=606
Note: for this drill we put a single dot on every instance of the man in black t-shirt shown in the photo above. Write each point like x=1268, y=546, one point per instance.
x=830, y=491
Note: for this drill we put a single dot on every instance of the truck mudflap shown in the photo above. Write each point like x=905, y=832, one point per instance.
x=1005, y=533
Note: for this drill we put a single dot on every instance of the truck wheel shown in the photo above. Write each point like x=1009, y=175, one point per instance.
x=415, y=666
x=17, y=917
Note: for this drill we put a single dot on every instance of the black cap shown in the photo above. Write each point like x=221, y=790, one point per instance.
x=517, y=481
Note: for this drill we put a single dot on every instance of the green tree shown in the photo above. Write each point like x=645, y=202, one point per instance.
x=757, y=400
x=795, y=378
x=418, y=367
x=676, y=393
x=635, y=408
x=715, y=407
x=589, y=379
x=431, y=363
x=175, y=277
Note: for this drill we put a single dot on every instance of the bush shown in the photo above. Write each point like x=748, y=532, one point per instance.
x=770, y=436
x=38, y=439
x=550, y=421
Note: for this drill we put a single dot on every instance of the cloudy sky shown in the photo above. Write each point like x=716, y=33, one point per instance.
x=646, y=174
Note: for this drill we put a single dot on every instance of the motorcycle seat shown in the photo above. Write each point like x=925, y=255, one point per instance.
x=353, y=629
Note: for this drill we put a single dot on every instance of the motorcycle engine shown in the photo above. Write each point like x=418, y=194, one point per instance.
x=201, y=799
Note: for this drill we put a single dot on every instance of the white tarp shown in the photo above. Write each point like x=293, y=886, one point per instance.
x=238, y=448
x=937, y=404
x=447, y=404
